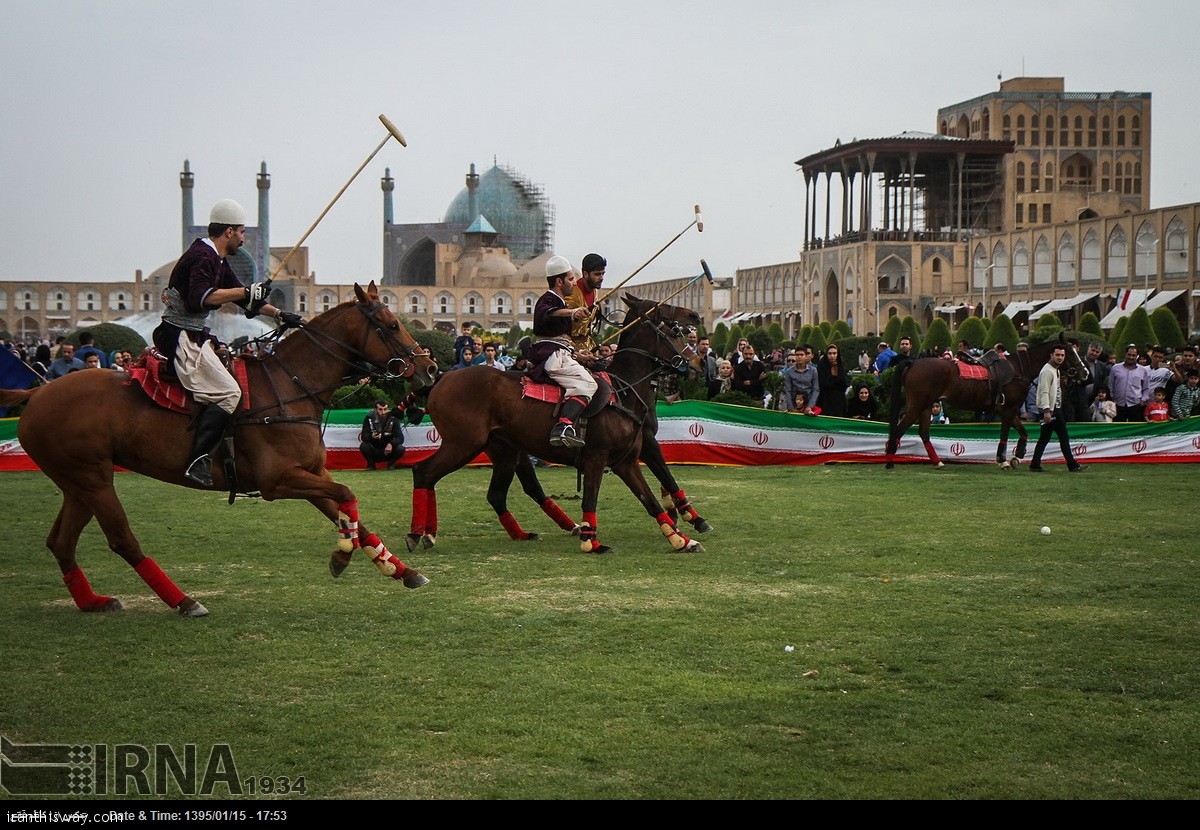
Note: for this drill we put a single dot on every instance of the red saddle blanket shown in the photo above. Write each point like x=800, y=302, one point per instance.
x=169, y=393
x=972, y=372
x=552, y=392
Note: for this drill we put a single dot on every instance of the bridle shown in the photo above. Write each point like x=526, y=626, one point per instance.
x=401, y=364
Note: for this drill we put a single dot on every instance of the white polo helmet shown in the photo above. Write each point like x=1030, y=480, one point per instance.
x=557, y=266
x=227, y=212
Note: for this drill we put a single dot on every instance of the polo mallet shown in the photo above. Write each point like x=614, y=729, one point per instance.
x=705, y=273
x=392, y=133
x=698, y=222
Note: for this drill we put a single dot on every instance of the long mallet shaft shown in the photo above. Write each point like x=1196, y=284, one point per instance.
x=645, y=315
x=698, y=222
x=392, y=133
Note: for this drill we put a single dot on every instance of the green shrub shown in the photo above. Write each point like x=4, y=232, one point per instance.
x=358, y=396
x=112, y=337
x=737, y=398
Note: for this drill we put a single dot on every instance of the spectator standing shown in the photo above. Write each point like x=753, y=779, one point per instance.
x=87, y=346
x=1185, y=360
x=41, y=360
x=66, y=363
x=1160, y=373
x=1129, y=386
x=883, y=359
x=724, y=377
x=936, y=415
x=464, y=340
x=92, y=361
x=834, y=379
x=864, y=362
x=1079, y=397
x=749, y=373
x=381, y=437
x=489, y=357
x=707, y=359
x=1183, y=402
x=800, y=376
x=1050, y=401
x=465, y=359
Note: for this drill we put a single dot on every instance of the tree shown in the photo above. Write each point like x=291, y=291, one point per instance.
x=735, y=334
x=817, y=340
x=440, y=345
x=841, y=329
x=891, y=332
x=909, y=329
x=1116, y=336
x=1091, y=325
x=1139, y=330
x=775, y=334
x=112, y=337
x=761, y=341
x=719, y=339
x=826, y=329
x=1170, y=335
x=938, y=339
x=1049, y=321
x=805, y=335
x=974, y=330
x=1002, y=331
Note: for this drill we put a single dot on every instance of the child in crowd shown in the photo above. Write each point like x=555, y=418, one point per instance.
x=1187, y=395
x=1103, y=409
x=1158, y=409
x=800, y=404
x=937, y=415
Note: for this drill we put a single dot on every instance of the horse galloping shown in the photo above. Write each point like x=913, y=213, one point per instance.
x=476, y=409
x=279, y=451
x=929, y=379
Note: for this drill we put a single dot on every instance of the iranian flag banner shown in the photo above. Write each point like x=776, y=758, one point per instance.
x=698, y=432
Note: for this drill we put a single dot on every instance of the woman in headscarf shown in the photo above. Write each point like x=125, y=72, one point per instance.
x=834, y=379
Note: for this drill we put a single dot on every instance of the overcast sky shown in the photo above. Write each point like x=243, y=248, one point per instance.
x=626, y=112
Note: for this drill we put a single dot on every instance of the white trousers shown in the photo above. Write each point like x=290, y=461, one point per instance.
x=567, y=373
x=204, y=375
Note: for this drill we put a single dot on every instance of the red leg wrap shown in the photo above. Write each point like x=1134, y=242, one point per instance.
x=932, y=452
x=509, y=522
x=678, y=540
x=684, y=506
x=550, y=508
x=431, y=514
x=587, y=533
x=159, y=582
x=81, y=591
x=420, y=501
x=348, y=526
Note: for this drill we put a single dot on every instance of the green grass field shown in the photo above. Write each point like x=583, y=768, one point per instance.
x=942, y=648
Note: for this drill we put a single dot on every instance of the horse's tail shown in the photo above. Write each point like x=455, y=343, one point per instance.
x=13, y=397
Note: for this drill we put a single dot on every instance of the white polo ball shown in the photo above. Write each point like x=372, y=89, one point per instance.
x=789, y=648
x=1045, y=531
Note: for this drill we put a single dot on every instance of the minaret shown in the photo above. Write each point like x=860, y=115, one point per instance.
x=387, y=184
x=264, y=222
x=186, y=182
x=472, y=194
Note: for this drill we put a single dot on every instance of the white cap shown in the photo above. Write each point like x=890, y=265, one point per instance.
x=227, y=212
x=557, y=265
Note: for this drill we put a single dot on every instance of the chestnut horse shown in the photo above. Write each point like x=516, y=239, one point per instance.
x=930, y=379
x=477, y=409
x=278, y=447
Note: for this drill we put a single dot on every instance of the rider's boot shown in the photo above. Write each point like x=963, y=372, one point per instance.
x=210, y=427
x=564, y=434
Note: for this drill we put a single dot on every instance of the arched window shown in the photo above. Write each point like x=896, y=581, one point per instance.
x=1066, y=260
x=1175, y=250
x=1020, y=265
x=443, y=303
x=1089, y=259
x=1118, y=257
x=501, y=304
x=302, y=303
x=1106, y=131
x=1120, y=131
x=1042, y=264
x=528, y=302
x=415, y=303
x=1049, y=122
x=1135, y=127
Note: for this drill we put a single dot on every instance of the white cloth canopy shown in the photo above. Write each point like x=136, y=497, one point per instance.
x=1062, y=304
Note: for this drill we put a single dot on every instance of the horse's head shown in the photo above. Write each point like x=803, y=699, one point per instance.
x=392, y=352
x=670, y=326
x=1074, y=368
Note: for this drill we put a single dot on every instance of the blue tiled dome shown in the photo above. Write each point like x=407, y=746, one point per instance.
x=514, y=206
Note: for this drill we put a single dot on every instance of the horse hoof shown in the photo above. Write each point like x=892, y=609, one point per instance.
x=411, y=541
x=109, y=604
x=693, y=547
x=413, y=578
x=575, y=530
x=701, y=526
x=940, y=465
x=193, y=610
x=338, y=562
x=599, y=550
x=428, y=541
x=888, y=466
x=533, y=537
x=1005, y=466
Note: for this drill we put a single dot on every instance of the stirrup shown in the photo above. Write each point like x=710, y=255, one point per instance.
x=564, y=435
x=200, y=471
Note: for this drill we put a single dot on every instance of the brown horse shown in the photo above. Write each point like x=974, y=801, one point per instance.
x=930, y=379
x=477, y=409
x=279, y=452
